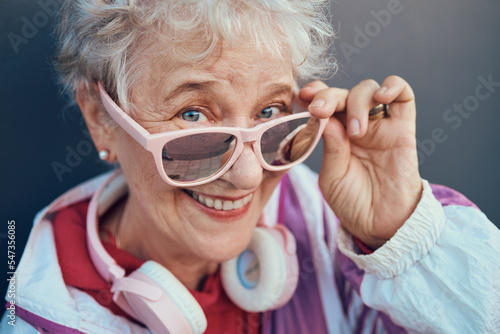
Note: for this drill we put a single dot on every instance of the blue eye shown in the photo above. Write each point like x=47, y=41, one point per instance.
x=269, y=112
x=193, y=116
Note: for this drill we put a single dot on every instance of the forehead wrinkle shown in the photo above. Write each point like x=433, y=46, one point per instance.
x=233, y=65
x=231, y=68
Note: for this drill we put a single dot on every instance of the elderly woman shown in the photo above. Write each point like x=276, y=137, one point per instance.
x=205, y=227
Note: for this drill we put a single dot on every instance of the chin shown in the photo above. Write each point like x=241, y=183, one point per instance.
x=224, y=248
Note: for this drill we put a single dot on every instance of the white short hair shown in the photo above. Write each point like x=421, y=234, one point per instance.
x=108, y=40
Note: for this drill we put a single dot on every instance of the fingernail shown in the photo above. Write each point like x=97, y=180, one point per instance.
x=318, y=103
x=307, y=87
x=353, y=128
x=382, y=90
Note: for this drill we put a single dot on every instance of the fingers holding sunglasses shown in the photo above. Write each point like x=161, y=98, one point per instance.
x=368, y=94
x=359, y=103
x=323, y=101
x=397, y=92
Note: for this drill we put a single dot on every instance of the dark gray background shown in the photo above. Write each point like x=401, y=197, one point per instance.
x=440, y=47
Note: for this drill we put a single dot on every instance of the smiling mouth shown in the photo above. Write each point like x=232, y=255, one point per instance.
x=219, y=204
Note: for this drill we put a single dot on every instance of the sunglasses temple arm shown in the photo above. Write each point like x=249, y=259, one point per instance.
x=125, y=121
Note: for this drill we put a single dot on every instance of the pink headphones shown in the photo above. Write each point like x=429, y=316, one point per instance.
x=263, y=277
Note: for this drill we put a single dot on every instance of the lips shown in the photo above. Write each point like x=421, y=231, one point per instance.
x=219, y=203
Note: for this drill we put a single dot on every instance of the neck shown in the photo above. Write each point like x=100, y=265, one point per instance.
x=155, y=246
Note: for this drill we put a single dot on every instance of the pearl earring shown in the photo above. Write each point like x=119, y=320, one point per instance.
x=103, y=154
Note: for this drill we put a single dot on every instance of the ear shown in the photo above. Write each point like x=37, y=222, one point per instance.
x=103, y=134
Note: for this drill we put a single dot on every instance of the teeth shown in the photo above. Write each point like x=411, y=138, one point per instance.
x=201, y=199
x=238, y=204
x=209, y=202
x=247, y=199
x=228, y=205
x=220, y=204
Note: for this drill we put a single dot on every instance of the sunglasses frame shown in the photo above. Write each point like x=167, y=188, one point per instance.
x=154, y=143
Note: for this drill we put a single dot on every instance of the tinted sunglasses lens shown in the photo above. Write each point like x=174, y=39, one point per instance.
x=196, y=157
x=289, y=141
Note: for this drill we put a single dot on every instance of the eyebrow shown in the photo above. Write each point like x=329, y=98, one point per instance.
x=280, y=89
x=190, y=87
x=187, y=87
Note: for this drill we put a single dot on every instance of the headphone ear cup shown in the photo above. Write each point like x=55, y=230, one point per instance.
x=265, y=275
x=176, y=311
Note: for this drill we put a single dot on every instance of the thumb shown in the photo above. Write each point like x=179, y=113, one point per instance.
x=336, y=152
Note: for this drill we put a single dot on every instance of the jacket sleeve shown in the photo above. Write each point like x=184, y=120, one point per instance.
x=439, y=273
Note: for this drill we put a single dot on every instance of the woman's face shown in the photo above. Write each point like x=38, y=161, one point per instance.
x=241, y=88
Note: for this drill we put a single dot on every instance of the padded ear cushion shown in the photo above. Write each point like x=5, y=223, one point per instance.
x=277, y=276
x=177, y=310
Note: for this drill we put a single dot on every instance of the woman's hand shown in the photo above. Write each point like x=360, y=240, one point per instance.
x=369, y=175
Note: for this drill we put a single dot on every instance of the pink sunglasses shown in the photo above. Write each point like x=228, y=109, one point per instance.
x=191, y=157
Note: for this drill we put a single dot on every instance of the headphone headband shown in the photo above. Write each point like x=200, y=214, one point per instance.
x=100, y=202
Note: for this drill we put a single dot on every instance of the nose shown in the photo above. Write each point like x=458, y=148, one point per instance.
x=246, y=173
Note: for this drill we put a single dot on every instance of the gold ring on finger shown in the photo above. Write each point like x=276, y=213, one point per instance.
x=378, y=112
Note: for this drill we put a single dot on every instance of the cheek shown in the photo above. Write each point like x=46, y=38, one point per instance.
x=139, y=168
x=137, y=163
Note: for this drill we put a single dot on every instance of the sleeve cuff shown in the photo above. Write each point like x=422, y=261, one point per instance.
x=410, y=243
